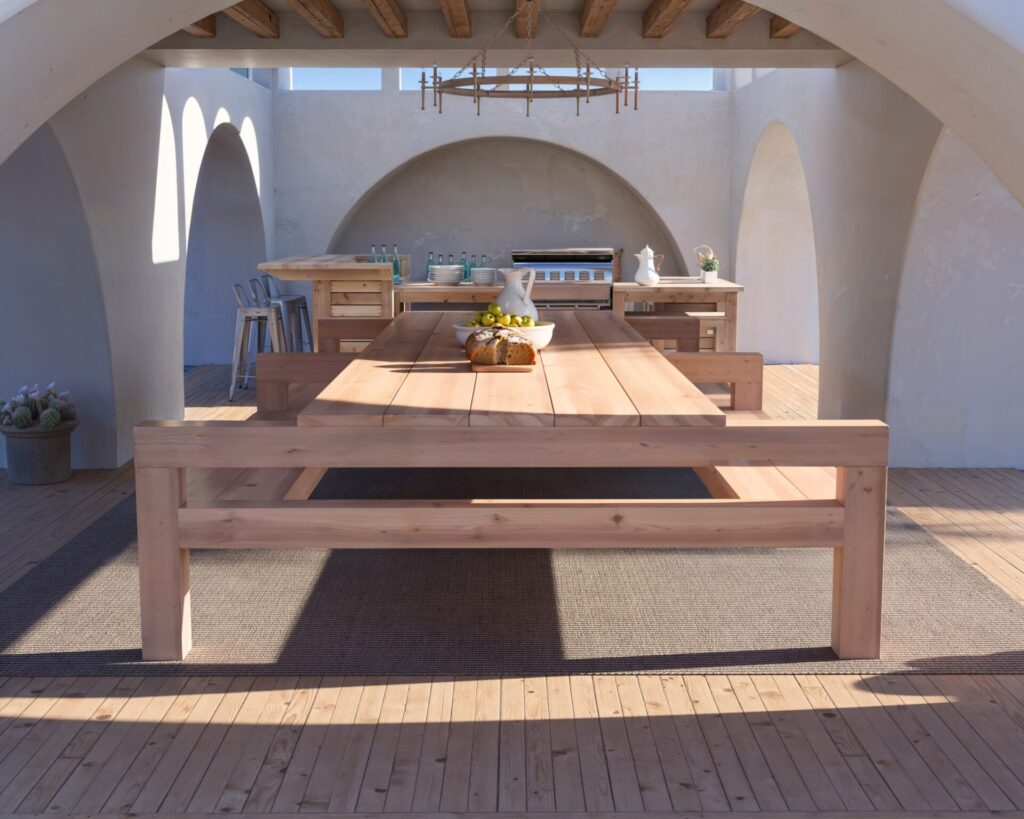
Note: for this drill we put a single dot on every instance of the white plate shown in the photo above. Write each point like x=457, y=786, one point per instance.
x=540, y=334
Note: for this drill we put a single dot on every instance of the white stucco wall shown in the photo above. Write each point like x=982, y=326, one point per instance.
x=494, y=196
x=864, y=146
x=333, y=147
x=956, y=394
x=110, y=136
x=54, y=325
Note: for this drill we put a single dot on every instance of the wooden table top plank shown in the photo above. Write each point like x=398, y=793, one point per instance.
x=512, y=400
x=584, y=391
x=439, y=387
x=662, y=395
x=362, y=393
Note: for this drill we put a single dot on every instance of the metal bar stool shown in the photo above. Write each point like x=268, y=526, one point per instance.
x=263, y=317
x=295, y=313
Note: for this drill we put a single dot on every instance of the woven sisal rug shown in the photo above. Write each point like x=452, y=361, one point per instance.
x=505, y=612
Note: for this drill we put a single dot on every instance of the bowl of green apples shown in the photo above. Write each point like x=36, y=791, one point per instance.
x=539, y=332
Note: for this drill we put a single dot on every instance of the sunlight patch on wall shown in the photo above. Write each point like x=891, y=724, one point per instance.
x=193, y=146
x=222, y=117
x=166, y=247
x=248, y=134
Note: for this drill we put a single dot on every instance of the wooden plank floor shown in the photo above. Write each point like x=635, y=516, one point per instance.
x=843, y=745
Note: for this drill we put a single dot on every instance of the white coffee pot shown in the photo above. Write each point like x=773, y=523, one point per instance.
x=647, y=271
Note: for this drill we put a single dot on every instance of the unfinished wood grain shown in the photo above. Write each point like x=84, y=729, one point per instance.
x=457, y=17
x=728, y=16
x=322, y=15
x=439, y=387
x=257, y=17
x=389, y=16
x=361, y=394
x=594, y=15
x=661, y=14
x=661, y=394
x=779, y=28
x=206, y=27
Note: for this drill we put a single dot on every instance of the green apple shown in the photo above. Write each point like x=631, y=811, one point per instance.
x=494, y=309
x=488, y=320
x=528, y=321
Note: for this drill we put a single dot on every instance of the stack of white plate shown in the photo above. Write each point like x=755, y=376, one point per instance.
x=445, y=274
x=483, y=276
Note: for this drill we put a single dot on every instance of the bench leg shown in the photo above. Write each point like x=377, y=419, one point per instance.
x=166, y=615
x=857, y=565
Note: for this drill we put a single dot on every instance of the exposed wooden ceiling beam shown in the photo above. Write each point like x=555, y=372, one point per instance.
x=779, y=28
x=207, y=27
x=456, y=15
x=728, y=16
x=322, y=15
x=256, y=17
x=661, y=14
x=594, y=15
x=528, y=18
x=389, y=17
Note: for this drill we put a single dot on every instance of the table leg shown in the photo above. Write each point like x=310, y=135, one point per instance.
x=729, y=308
x=165, y=608
x=619, y=304
x=857, y=565
x=321, y=308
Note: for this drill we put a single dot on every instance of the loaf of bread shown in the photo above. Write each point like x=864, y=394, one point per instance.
x=500, y=345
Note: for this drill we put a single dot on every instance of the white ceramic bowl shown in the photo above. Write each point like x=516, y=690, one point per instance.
x=540, y=334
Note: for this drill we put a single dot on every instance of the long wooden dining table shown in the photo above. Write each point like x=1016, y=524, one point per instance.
x=600, y=397
x=597, y=372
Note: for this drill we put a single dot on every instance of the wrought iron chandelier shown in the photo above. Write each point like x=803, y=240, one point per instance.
x=528, y=79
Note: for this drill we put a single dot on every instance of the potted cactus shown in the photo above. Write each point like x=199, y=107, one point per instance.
x=37, y=427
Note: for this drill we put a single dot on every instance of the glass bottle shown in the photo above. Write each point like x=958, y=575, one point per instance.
x=451, y=259
x=472, y=263
x=465, y=267
x=373, y=253
x=383, y=252
x=430, y=262
x=396, y=265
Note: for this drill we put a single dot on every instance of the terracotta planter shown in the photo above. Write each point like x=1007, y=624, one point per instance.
x=39, y=456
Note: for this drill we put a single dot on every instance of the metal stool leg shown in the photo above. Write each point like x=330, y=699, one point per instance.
x=304, y=312
x=241, y=337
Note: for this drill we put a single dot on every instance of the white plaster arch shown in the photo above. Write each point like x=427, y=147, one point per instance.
x=864, y=146
x=964, y=260
x=492, y=149
x=52, y=50
x=960, y=59
x=775, y=254
x=227, y=243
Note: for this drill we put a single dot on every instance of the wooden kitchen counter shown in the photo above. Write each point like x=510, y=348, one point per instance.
x=344, y=286
x=411, y=293
x=693, y=295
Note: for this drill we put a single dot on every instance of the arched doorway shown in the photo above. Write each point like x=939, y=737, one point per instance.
x=225, y=244
x=493, y=195
x=775, y=255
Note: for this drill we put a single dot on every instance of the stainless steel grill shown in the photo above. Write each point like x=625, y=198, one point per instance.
x=570, y=278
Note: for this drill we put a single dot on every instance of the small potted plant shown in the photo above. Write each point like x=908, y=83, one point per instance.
x=708, y=263
x=37, y=426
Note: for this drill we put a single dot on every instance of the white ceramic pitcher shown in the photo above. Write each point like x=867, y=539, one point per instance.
x=514, y=299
